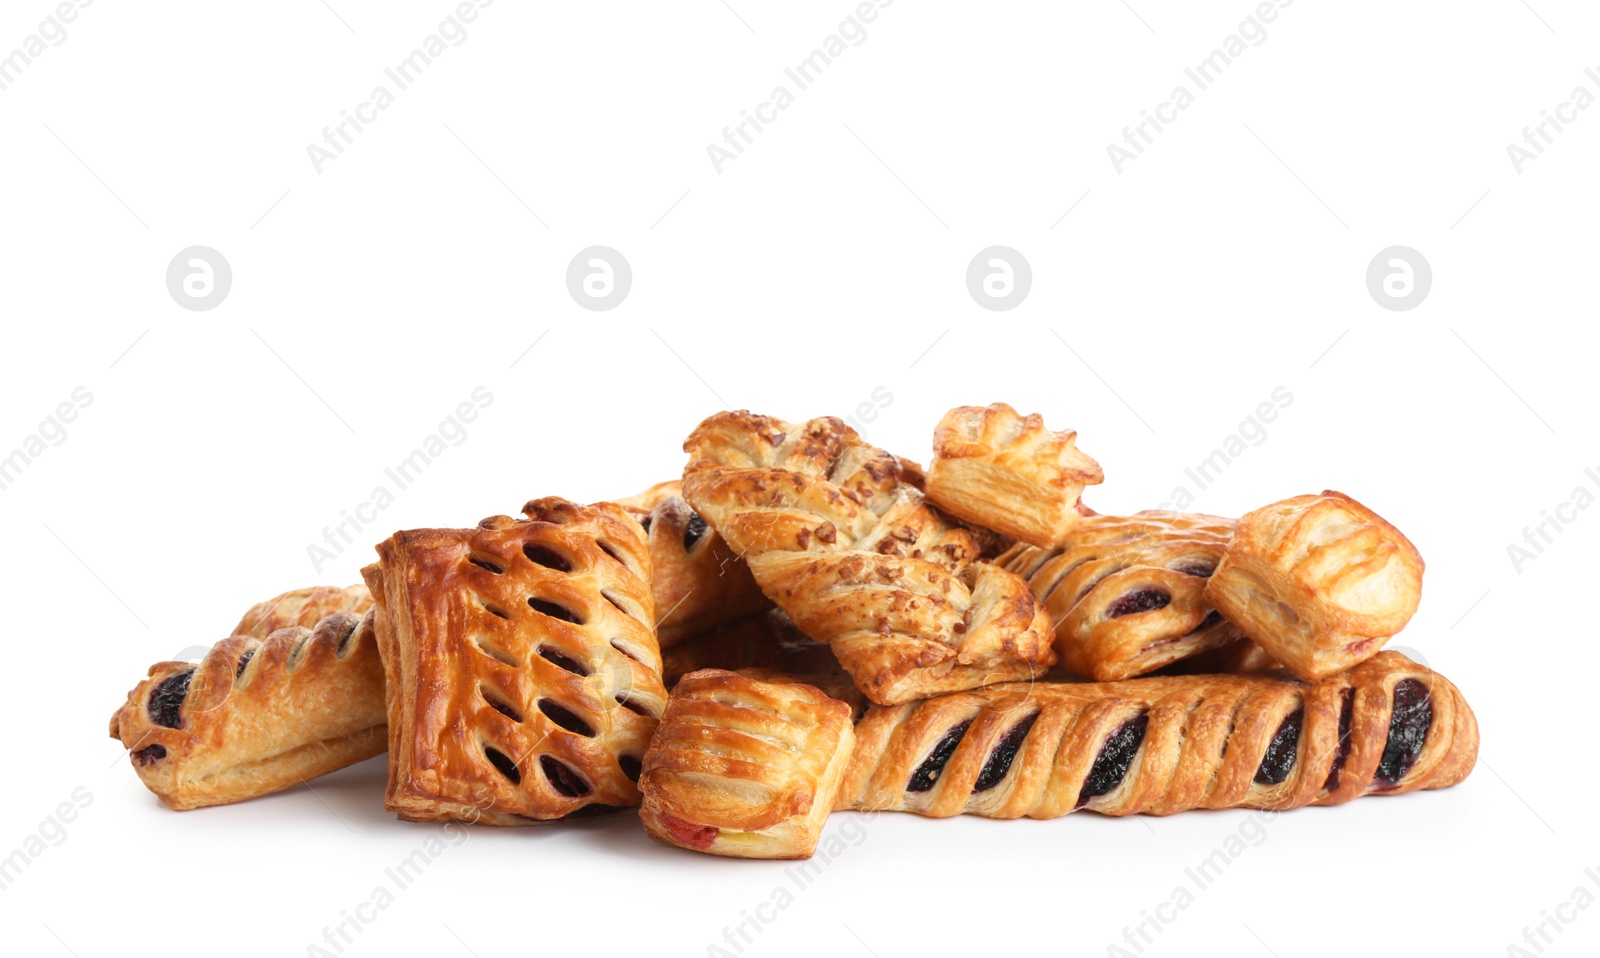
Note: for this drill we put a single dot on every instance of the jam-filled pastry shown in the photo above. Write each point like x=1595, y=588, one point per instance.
x=523, y=674
x=767, y=640
x=257, y=716
x=1162, y=745
x=744, y=768
x=1126, y=594
x=1009, y=473
x=302, y=607
x=859, y=560
x=696, y=580
x=1319, y=582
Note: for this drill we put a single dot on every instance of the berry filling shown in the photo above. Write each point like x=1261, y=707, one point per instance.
x=562, y=778
x=1115, y=758
x=564, y=718
x=1347, y=703
x=693, y=530
x=562, y=661
x=1005, y=752
x=1408, y=732
x=549, y=558
x=166, y=700
x=150, y=754
x=555, y=611
x=927, y=773
x=1278, y=762
x=503, y=764
x=1145, y=600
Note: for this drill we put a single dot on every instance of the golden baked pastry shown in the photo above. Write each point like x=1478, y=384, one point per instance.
x=1009, y=473
x=834, y=683
x=302, y=607
x=767, y=640
x=257, y=716
x=1126, y=594
x=523, y=674
x=696, y=580
x=1319, y=582
x=744, y=768
x=1162, y=745
x=857, y=559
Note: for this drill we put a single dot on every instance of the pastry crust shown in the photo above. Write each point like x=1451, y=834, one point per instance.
x=302, y=607
x=696, y=580
x=257, y=716
x=858, y=560
x=1126, y=594
x=1007, y=472
x=744, y=768
x=1319, y=582
x=1162, y=745
x=524, y=678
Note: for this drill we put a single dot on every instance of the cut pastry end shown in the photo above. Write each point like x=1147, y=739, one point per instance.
x=1320, y=582
x=1007, y=472
x=745, y=768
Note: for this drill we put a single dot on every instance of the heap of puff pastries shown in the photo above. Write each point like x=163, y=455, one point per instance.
x=806, y=624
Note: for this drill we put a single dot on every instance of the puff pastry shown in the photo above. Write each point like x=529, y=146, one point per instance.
x=743, y=767
x=257, y=716
x=1319, y=582
x=1162, y=745
x=1009, y=473
x=767, y=640
x=523, y=674
x=859, y=560
x=696, y=580
x=302, y=607
x=1126, y=594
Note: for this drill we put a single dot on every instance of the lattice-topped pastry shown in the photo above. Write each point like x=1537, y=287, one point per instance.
x=524, y=678
x=1319, y=582
x=1126, y=594
x=858, y=560
x=303, y=608
x=1007, y=472
x=744, y=767
x=257, y=716
x=1163, y=745
x=697, y=582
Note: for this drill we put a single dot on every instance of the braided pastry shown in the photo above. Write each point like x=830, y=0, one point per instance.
x=1009, y=473
x=257, y=716
x=1163, y=745
x=523, y=674
x=1319, y=582
x=743, y=767
x=302, y=607
x=859, y=560
x=696, y=580
x=1127, y=594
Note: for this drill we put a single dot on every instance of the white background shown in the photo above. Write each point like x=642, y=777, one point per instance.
x=828, y=260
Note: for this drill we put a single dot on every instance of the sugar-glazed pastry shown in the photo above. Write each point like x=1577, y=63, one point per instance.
x=1009, y=473
x=834, y=683
x=523, y=674
x=696, y=581
x=858, y=560
x=1319, y=582
x=1162, y=745
x=1126, y=594
x=744, y=768
x=257, y=716
x=302, y=607
x=767, y=640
